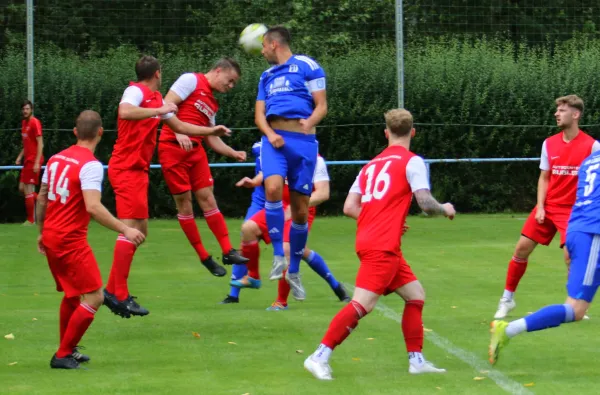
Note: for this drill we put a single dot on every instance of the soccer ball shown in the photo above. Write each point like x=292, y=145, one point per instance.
x=251, y=38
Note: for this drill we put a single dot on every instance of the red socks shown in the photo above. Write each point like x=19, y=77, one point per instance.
x=30, y=200
x=343, y=323
x=80, y=321
x=188, y=224
x=516, y=269
x=251, y=251
x=123, y=256
x=412, y=325
x=67, y=308
x=283, y=290
x=218, y=227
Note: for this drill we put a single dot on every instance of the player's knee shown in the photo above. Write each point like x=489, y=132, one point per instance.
x=273, y=192
x=94, y=299
x=300, y=215
x=184, y=204
x=418, y=293
x=250, y=231
x=524, y=248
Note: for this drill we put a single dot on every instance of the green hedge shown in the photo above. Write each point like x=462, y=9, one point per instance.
x=448, y=83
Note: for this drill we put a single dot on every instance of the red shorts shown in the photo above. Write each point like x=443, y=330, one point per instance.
x=556, y=219
x=184, y=171
x=260, y=218
x=383, y=272
x=28, y=176
x=74, y=269
x=131, y=192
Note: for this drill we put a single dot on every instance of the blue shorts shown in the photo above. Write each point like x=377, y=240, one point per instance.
x=296, y=160
x=253, y=209
x=584, y=277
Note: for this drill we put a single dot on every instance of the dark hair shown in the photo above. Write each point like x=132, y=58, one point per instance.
x=88, y=124
x=280, y=34
x=227, y=63
x=145, y=67
x=27, y=103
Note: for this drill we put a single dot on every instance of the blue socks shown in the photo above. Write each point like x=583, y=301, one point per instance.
x=237, y=273
x=275, y=219
x=316, y=263
x=298, y=237
x=550, y=317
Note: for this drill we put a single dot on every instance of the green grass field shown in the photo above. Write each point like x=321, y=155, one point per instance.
x=243, y=349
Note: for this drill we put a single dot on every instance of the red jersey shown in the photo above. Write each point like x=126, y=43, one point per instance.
x=31, y=129
x=199, y=106
x=67, y=174
x=563, y=159
x=136, y=140
x=386, y=184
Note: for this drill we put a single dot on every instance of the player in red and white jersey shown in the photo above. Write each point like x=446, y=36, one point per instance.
x=184, y=161
x=562, y=154
x=32, y=158
x=255, y=228
x=69, y=196
x=140, y=112
x=380, y=199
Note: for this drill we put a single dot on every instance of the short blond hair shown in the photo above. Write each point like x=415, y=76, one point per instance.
x=572, y=101
x=399, y=122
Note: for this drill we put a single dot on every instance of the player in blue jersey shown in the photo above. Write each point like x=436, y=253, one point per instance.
x=291, y=101
x=583, y=245
x=257, y=204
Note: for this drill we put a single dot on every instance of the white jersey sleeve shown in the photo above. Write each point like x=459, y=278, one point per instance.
x=185, y=85
x=321, y=173
x=355, y=188
x=45, y=176
x=416, y=174
x=544, y=162
x=596, y=146
x=91, y=175
x=132, y=95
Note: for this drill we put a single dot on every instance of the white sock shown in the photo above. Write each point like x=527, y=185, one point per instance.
x=508, y=295
x=516, y=327
x=416, y=358
x=322, y=354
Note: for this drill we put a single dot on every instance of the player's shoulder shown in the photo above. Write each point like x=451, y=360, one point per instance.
x=305, y=62
x=36, y=121
x=267, y=72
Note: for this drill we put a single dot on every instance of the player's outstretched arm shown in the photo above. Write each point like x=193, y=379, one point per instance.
x=178, y=126
x=96, y=209
x=219, y=146
x=352, y=205
x=429, y=205
x=250, y=183
x=130, y=112
x=320, y=193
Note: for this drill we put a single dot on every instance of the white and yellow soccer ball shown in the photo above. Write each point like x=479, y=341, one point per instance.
x=251, y=38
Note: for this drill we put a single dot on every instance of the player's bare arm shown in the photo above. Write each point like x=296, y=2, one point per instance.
x=429, y=205
x=184, y=141
x=173, y=97
x=96, y=209
x=542, y=191
x=352, y=205
x=219, y=146
x=19, y=157
x=40, y=212
x=38, y=154
x=130, y=112
x=178, y=126
x=320, y=193
x=250, y=183
x=320, y=111
x=260, y=119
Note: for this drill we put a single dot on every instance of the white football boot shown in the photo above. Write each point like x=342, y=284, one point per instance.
x=321, y=370
x=504, y=307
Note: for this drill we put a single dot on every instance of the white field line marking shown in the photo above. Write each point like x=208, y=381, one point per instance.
x=467, y=357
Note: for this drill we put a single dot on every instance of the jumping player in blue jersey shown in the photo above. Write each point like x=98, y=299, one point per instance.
x=257, y=204
x=291, y=101
x=583, y=245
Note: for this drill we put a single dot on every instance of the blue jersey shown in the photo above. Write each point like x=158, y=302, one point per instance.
x=287, y=89
x=258, y=195
x=585, y=216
